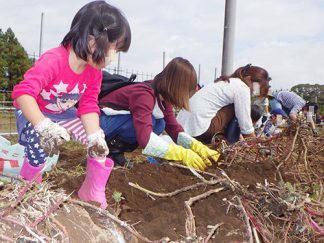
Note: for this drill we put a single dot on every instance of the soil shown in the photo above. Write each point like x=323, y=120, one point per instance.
x=160, y=217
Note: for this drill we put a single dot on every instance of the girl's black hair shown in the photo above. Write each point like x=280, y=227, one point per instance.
x=105, y=23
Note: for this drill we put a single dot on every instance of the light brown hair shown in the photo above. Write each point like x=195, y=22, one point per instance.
x=257, y=74
x=176, y=83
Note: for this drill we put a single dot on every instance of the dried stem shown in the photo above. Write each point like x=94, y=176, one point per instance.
x=171, y=194
x=292, y=146
x=34, y=234
x=51, y=210
x=6, y=238
x=61, y=227
x=21, y=195
x=187, y=168
x=115, y=219
x=190, y=221
x=212, y=231
x=14, y=221
x=246, y=218
x=286, y=232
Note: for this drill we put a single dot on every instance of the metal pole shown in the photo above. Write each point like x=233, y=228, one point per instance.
x=163, y=60
x=228, y=39
x=199, y=74
x=118, y=64
x=215, y=75
x=41, y=36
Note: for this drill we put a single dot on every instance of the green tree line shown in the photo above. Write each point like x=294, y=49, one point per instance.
x=309, y=92
x=14, y=60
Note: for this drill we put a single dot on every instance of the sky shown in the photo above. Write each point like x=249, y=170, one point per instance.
x=286, y=37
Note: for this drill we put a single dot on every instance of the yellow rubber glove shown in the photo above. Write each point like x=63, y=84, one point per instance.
x=187, y=156
x=205, y=152
x=186, y=141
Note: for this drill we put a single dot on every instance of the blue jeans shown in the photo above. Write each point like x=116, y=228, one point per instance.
x=122, y=126
x=275, y=104
x=233, y=131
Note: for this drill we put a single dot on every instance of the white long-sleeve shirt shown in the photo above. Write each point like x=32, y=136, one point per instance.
x=205, y=104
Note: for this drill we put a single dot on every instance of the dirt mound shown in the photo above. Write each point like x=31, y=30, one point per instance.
x=157, y=217
x=37, y=213
x=264, y=191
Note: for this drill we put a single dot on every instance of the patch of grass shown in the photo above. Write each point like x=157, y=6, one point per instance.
x=77, y=171
x=74, y=171
x=7, y=122
x=12, y=139
x=73, y=145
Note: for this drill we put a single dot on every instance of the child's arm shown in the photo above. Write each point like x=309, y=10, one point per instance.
x=30, y=109
x=97, y=146
x=90, y=122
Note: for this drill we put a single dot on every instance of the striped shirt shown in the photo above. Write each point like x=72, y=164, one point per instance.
x=68, y=120
x=290, y=101
x=76, y=129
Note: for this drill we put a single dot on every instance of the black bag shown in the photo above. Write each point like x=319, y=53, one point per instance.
x=111, y=82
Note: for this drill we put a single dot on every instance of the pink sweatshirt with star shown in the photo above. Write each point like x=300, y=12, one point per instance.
x=56, y=87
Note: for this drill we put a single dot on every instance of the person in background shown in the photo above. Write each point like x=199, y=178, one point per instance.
x=136, y=114
x=60, y=78
x=314, y=108
x=275, y=123
x=264, y=103
x=256, y=113
x=291, y=104
x=225, y=105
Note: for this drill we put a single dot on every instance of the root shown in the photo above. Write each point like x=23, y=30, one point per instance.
x=123, y=224
x=171, y=194
x=190, y=224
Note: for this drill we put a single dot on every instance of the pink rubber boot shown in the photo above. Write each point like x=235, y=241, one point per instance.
x=28, y=172
x=94, y=185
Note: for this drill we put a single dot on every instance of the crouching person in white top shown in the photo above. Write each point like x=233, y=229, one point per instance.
x=225, y=105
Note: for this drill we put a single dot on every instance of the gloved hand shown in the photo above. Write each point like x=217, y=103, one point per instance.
x=205, y=153
x=160, y=148
x=97, y=146
x=202, y=150
x=187, y=156
x=51, y=136
x=315, y=133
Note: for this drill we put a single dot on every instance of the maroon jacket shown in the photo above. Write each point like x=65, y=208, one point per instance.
x=140, y=99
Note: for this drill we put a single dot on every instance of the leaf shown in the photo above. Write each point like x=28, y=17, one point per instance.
x=117, y=196
x=290, y=187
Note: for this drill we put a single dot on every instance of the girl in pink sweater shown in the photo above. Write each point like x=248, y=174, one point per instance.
x=61, y=77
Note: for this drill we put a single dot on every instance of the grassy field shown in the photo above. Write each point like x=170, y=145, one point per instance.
x=7, y=122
